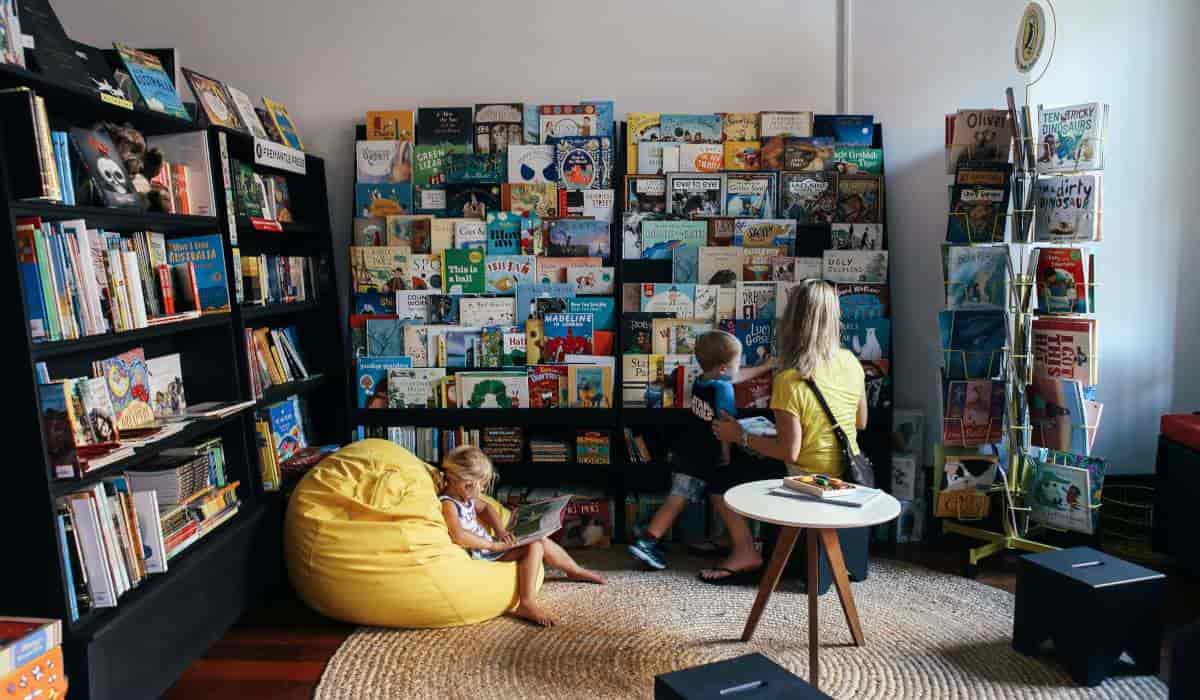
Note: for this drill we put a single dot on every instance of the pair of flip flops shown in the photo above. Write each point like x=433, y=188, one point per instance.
x=735, y=578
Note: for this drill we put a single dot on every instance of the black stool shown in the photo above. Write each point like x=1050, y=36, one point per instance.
x=749, y=677
x=1093, y=606
x=856, y=551
x=1185, y=659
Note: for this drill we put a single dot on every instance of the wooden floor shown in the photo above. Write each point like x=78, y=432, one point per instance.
x=278, y=650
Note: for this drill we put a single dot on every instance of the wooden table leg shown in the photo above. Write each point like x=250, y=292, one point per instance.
x=837, y=564
x=783, y=550
x=813, y=583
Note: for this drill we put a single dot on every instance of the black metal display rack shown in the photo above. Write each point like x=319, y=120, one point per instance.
x=139, y=648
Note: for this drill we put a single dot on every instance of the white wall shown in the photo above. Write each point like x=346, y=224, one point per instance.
x=910, y=63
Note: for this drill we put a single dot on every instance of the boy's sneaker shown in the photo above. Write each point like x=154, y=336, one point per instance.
x=648, y=552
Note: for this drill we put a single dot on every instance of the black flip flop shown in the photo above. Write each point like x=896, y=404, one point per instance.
x=707, y=548
x=735, y=578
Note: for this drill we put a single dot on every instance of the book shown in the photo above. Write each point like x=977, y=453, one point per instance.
x=527, y=294
x=413, y=388
x=472, y=200
x=661, y=238
x=383, y=161
x=587, y=204
x=976, y=277
x=1071, y=138
x=860, y=199
x=1062, y=416
x=856, y=236
x=811, y=153
x=411, y=230
x=691, y=128
x=583, y=162
x=784, y=123
x=566, y=333
x=536, y=198
x=385, y=337
x=739, y=126
x=742, y=155
x=866, y=266
x=284, y=123
x=580, y=238
x=505, y=272
x=103, y=165
x=973, y=342
x=764, y=233
x=547, y=386
x=165, y=381
x=206, y=255
x=845, y=129
x=592, y=279
x=979, y=134
x=370, y=231
x=382, y=199
x=701, y=157
x=425, y=272
x=1068, y=208
x=156, y=88
x=504, y=232
x=979, y=202
x=589, y=386
x=562, y=121
x=532, y=163
x=493, y=389
x=464, y=271
x=244, y=107
x=684, y=263
x=719, y=265
x=1065, y=348
x=974, y=412
x=470, y=234
x=534, y=521
x=755, y=300
x=639, y=127
x=863, y=301
x=390, y=125
x=497, y=126
x=676, y=336
x=751, y=195
x=869, y=339
x=1062, y=283
x=213, y=100
x=853, y=160
x=646, y=194
x=487, y=311
x=445, y=125
x=679, y=299
x=695, y=195
x=371, y=378
x=757, y=337
x=808, y=197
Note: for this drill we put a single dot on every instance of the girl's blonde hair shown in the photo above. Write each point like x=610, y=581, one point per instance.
x=469, y=463
x=811, y=329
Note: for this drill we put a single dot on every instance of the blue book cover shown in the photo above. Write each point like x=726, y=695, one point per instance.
x=526, y=294
x=31, y=280
x=566, y=334
x=443, y=309
x=461, y=346
x=580, y=238
x=156, y=87
x=860, y=301
x=371, y=373
x=691, y=128
x=531, y=122
x=583, y=162
x=756, y=335
x=374, y=303
x=385, y=337
x=605, y=115
x=505, y=272
x=684, y=263
x=504, y=232
x=976, y=277
x=846, y=129
x=208, y=257
x=382, y=199
x=679, y=299
x=287, y=428
x=602, y=309
x=67, y=568
x=869, y=339
x=973, y=342
x=661, y=238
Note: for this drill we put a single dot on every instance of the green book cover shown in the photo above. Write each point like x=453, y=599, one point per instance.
x=858, y=159
x=463, y=271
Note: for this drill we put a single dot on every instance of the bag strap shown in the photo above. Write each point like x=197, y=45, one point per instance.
x=842, y=438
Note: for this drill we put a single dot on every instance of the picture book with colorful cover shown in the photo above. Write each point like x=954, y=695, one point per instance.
x=1068, y=208
x=1071, y=138
x=974, y=412
x=207, y=256
x=586, y=204
x=413, y=307
x=412, y=230
x=532, y=163
x=382, y=269
x=661, y=238
x=443, y=308
x=742, y=155
x=863, y=301
x=756, y=263
x=1061, y=281
x=637, y=330
x=856, y=236
x=470, y=234
x=979, y=134
x=472, y=201
x=691, y=128
x=973, y=342
x=589, y=386
x=537, y=198
x=755, y=300
x=493, y=345
x=811, y=153
x=414, y=388
x=429, y=164
x=167, y=396
x=504, y=232
x=475, y=168
x=425, y=271
x=213, y=100
x=750, y=195
x=639, y=126
x=385, y=337
x=127, y=379
x=497, y=126
x=846, y=129
x=382, y=199
x=547, y=386
x=679, y=299
x=682, y=335
x=105, y=168
x=464, y=271
x=708, y=301
x=694, y=195
x=445, y=125
x=739, y=126
x=976, y=277
x=809, y=197
x=580, y=238
x=390, y=125
x=287, y=428
x=156, y=88
x=370, y=231
x=487, y=311
x=559, y=121
x=372, y=382
x=684, y=263
x=528, y=294
x=592, y=279
x=860, y=199
x=764, y=233
x=852, y=160
x=1060, y=416
x=284, y=123
x=583, y=162
x=757, y=337
x=866, y=266
x=416, y=343
x=553, y=305
x=493, y=389
x=1065, y=348
x=719, y=265
x=462, y=346
x=979, y=202
x=566, y=334
x=505, y=272
x=646, y=194
x=785, y=123
x=554, y=270
x=1060, y=496
x=869, y=339
x=701, y=157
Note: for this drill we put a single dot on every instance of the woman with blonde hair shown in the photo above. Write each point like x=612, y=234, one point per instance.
x=809, y=349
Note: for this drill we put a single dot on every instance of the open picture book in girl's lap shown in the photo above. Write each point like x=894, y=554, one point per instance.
x=533, y=521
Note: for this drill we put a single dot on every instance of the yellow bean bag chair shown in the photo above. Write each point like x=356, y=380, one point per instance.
x=365, y=542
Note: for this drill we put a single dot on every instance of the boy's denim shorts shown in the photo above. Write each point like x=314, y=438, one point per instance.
x=688, y=486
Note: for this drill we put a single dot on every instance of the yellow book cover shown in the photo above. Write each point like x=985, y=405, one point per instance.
x=441, y=233
x=639, y=126
x=535, y=341
x=742, y=155
x=268, y=469
x=390, y=125
x=283, y=122
x=264, y=350
x=448, y=390
x=589, y=386
x=739, y=126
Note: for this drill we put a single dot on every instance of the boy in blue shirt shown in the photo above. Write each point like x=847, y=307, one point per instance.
x=697, y=452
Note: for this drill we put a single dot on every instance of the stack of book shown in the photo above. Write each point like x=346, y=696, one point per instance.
x=593, y=447
x=276, y=279
x=80, y=281
x=549, y=450
x=471, y=252
x=503, y=445
x=274, y=358
x=280, y=435
x=740, y=207
x=260, y=196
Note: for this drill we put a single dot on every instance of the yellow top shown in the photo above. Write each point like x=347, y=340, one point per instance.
x=842, y=383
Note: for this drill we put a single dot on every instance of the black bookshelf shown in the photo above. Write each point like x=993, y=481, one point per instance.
x=140, y=647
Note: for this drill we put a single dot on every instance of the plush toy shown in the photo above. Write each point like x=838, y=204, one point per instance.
x=143, y=164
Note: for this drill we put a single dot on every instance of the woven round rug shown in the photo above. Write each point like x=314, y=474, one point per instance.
x=928, y=635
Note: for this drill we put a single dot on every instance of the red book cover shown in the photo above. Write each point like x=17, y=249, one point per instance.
x=587, y=522
x=1061, y=285
x=1062, y=348
x=602, y=342
x=182, y=190
x=754, y=393
x=163, y=180
x=547, y=386
x=168, y=292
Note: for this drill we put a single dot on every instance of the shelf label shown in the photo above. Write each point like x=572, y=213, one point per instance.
x=114, y=100
x=274, y=155
x=261, y=224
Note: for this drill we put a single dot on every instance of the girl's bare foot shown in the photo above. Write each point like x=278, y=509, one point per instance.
x=530, y=611
x=586, y=576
